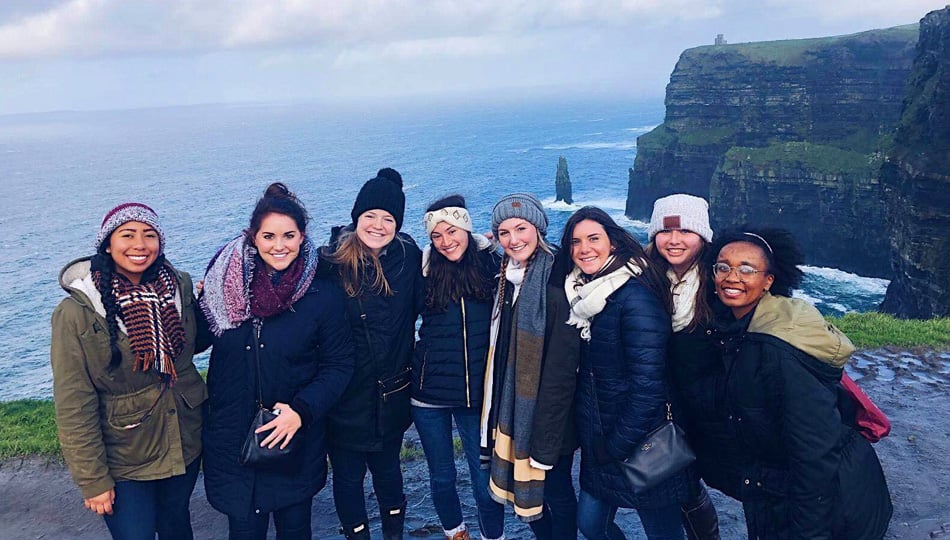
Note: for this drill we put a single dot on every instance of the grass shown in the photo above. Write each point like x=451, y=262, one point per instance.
x=874, y=330
x=814, y=157
x=28, y=427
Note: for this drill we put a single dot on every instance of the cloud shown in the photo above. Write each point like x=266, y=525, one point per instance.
x=89, y=28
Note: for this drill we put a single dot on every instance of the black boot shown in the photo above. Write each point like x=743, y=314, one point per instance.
x=355, y=532
x=700, y=519
x=394, y=520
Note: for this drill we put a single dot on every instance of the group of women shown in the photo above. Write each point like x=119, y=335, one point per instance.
x=531, y=350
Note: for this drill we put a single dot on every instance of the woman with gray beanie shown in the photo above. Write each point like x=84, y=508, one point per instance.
x=527, y=433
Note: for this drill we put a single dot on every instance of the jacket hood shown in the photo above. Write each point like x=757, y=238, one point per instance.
x=799, y=324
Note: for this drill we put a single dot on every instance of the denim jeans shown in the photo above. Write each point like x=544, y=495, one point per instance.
x=595, y=518
x=559, y=518
x=349, y=470
x=434, y=426
x=142, y=509
x=291, y=522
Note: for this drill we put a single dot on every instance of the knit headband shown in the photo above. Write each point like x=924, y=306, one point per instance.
x=453, y=215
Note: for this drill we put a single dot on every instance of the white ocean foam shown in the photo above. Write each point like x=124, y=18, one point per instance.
x=839, y=307
x=641, y=129
x=617, y=145
x=798, y=293
x=607, y=204
x=409, y=187
x=866, y=284
x=559, y=206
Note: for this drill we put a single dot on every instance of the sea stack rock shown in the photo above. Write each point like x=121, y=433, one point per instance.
x=916, y=179
x=786, y=133
x=562, y=182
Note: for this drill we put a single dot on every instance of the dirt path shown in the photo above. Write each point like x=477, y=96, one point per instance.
x=912, y=387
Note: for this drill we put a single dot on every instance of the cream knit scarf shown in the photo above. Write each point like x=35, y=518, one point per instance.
x=684, y=296
x=588, y=298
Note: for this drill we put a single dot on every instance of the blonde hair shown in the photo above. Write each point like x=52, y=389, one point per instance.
x=354, y=260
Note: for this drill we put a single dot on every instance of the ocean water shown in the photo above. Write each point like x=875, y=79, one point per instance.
x=203, y=167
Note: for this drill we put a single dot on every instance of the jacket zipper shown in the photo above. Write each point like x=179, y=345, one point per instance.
x=422, y=376
x=468, y=397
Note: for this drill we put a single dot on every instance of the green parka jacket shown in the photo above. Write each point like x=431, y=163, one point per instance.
x=95, y=407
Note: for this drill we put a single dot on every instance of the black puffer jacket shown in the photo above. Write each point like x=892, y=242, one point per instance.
x=448, y=367
x=804, y=473
x=622, y=395
x=383, y=330
x=698, y=378
x=306, y=360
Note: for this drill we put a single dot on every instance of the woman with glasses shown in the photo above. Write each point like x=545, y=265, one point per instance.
x=680, y=234
x=803, y=471
x=127, y=395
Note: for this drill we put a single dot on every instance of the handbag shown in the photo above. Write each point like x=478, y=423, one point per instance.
x=661, y=454
x=392, y=403
x=252, y=453
x=869, y=420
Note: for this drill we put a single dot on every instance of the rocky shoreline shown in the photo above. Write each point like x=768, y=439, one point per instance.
x=911, y=386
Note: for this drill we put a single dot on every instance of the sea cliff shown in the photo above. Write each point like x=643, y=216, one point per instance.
x=916, y=179
x=788, y=133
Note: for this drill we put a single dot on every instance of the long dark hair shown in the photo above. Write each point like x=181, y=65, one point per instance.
x=702, y=312
x=449, y=281
x=782, y=254
x=625, y=247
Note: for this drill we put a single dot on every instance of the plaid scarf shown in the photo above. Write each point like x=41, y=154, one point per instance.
x=236, y=286
x=151, y=321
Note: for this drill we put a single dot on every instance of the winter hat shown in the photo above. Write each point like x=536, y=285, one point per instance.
x=519, y=205
x=125, y=213
x=383, y=192
x=681, y=211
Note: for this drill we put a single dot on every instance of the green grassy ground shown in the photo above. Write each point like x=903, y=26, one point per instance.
x=28, y=427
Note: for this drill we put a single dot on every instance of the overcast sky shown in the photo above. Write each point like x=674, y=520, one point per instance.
x=103, y=54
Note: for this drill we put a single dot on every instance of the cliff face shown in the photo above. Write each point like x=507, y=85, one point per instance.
x=916, y=177
x=731, y=111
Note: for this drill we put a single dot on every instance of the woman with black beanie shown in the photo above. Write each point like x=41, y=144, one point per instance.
x=127, y=395
x=379, y=268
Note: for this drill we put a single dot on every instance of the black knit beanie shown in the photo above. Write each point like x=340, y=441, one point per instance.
x=383, y=192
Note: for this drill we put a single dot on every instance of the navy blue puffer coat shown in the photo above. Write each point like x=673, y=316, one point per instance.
x=448, y=366
x=306, y=357
x=623, y=368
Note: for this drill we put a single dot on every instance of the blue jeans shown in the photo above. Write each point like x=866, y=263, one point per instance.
x=142, y=509
x=434, y=426
x=349, y=470
x=559, y=518
x=595, y=518
x=292, y=523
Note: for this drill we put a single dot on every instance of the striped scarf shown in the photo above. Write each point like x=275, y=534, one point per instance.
x=513, y=401
x=152, y=322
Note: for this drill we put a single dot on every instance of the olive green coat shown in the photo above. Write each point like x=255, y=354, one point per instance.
x=95, y=406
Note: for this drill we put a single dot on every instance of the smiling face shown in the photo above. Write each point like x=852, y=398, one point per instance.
x=590, y=246
x=278, y=241
x=742, y=293
x=134, y=246
x=519, y=239
x=450, y=241
x=679, y=247
x=376, y=229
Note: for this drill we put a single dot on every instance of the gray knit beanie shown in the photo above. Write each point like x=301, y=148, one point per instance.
x=681, y=211
x=125, y=213
x=519, y=205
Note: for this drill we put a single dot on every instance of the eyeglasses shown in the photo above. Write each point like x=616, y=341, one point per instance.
x=744, y=271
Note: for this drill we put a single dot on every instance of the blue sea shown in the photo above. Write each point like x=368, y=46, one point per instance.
x=203, y=167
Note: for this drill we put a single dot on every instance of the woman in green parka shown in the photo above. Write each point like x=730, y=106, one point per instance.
x=127, y=395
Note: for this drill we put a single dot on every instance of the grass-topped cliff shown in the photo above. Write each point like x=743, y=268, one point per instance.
x=787, y=133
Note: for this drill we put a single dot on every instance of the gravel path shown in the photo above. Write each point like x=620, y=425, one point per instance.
x=911, y=386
